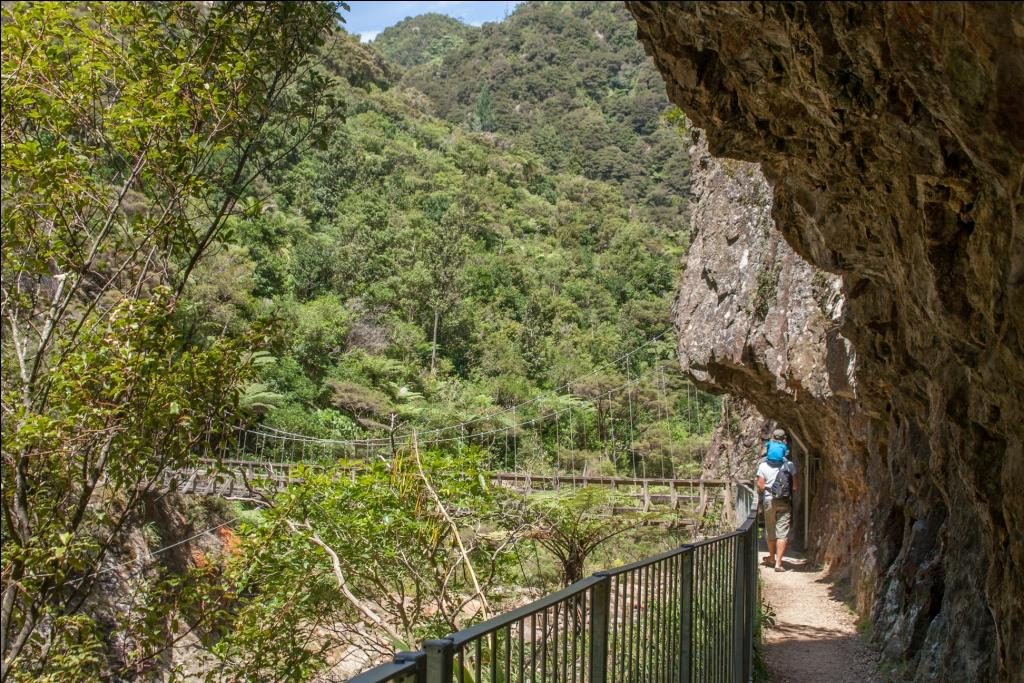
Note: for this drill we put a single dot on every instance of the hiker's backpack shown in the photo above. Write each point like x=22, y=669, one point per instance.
x=782, y=487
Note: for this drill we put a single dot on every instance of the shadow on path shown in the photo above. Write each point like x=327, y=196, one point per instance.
x=814, y=638
x=793, y=560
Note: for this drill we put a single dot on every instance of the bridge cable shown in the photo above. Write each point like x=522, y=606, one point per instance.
x=632, y=453
x=567, y=385
x=662, y=410
x=515, y=440
x=572, y=450
x=292, y=444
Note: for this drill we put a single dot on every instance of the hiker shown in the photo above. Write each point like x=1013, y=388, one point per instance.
x=777, y=480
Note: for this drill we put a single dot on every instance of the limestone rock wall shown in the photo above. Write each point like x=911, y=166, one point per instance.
x=892, y=138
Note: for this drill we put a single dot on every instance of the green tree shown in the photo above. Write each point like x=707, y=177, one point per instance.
x=131, y=133
x=484, y=114
x=444, y=248
x=411, y=548
x=572, y=525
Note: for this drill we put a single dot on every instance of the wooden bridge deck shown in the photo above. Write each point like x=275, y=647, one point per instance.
x=230, y=478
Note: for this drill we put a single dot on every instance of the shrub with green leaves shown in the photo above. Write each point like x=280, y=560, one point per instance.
x=131, y=133
x=403, y=551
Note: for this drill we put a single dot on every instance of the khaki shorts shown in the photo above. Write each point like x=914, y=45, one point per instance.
x=777, y=516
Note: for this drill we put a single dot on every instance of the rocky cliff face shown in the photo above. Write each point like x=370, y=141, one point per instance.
x=892, y=137
x=144, y=643
x=756, y=320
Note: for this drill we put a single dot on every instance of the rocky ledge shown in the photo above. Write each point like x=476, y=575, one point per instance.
x=892, y=139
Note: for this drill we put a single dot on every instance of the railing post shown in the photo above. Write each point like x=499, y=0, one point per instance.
x=600, y=620
x=739, y=607
x=419, y=658
x=439, y=660
x=686, y=617
x=753, y=599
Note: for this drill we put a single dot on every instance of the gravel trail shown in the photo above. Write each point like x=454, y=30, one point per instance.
x=815, y=638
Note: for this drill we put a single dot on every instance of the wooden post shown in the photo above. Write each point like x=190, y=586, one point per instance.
x=439, y=660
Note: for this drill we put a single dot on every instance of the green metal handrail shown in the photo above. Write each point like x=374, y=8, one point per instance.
x=684, y=616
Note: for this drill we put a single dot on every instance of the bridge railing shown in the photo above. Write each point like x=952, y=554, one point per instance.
x=230, y=477
x=685, y=615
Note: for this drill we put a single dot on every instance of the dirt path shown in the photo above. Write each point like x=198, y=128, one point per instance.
x=815, y=637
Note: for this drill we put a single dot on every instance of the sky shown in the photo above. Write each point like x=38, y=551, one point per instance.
x=367, y=19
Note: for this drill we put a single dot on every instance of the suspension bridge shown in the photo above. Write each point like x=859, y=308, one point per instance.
x=232, y=477
x=616, y=427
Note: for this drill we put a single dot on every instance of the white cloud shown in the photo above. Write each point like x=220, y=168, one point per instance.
x=367, y=36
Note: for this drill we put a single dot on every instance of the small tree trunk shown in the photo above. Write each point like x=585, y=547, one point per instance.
x=433, y=344
x=486, y=608
x=573, y=565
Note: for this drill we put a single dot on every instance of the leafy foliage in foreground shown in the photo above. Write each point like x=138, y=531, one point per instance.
x=130, y=131
x=572, y=525
x=409, y=549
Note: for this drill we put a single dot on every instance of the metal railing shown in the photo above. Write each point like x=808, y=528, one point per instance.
x=683, y=616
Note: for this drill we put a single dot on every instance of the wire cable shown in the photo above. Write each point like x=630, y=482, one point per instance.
x=152, y=554
x=292, y=436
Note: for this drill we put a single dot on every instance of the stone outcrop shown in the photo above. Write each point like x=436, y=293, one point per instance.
x=756, y=320
x=892, y=137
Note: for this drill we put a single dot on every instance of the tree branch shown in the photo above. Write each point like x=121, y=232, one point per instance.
x=452, y=526
x=339, y=577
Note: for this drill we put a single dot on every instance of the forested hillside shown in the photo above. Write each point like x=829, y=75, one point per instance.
x=231, y=217
x=422, y=39
x=425, y=270
x=568, y=81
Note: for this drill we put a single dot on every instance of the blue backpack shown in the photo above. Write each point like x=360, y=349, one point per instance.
x=777, y=451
